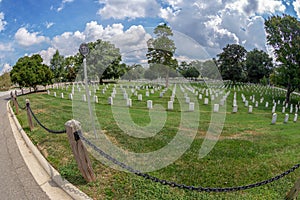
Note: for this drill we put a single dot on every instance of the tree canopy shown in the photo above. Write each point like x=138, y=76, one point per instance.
x=161, y=51
x=31, y=72
x=231, y=62
x=103, y=61
x=258, y=65
x=283, y=34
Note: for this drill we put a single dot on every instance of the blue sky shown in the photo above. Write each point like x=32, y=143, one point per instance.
x=201, y=27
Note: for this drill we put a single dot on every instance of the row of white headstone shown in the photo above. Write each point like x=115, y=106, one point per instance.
x=286, y=118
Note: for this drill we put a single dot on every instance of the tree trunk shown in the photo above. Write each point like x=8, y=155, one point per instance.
x=288, y=94
x=101, y=81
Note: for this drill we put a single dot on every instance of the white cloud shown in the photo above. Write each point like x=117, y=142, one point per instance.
x=25, y=38
x=6, y=68
x=2, y=22
x=296, y=5
x=131, y=42
x=47, y=55
x=270, y=6
x=49, y=24
x=6, y=47
x=215, y=23
x=62, y=5
x=122, y=9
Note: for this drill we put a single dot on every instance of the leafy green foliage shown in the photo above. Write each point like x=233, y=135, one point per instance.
x=258, y=65
x=5, y=82
x=57, y=65
x=161, y=51
x=283, y=34
x=103, y=61
x=31, y=72
x=231, y=63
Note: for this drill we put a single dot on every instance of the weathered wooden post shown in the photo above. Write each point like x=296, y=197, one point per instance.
x=294, y=192
x=14, y=99
x=79, y=150
x=29, y=116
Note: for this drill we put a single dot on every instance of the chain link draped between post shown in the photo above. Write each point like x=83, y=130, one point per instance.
x=23, y=108
x=44, y=127
x=183, y=186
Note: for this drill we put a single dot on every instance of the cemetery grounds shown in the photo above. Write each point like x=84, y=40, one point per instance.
x=250, y=149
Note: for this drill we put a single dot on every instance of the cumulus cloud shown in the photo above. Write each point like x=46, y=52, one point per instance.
x=215, y=23
x=2, y=22
x=6, y=68
x=117, y=9
x=25, y=38
x=296, y=5
x=131, y=42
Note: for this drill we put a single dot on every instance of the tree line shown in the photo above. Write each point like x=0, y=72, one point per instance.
x=234, y=62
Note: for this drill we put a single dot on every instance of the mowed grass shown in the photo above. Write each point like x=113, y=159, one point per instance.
x=249, y=149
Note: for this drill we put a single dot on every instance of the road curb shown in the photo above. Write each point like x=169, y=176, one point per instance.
x=65, y=185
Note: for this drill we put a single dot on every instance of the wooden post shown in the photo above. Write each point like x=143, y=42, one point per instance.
x=294, y=192
x=79, y=151
x=14, y=99
x=29, y=116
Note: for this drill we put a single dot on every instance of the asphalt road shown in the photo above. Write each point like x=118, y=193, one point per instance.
x=16, y=181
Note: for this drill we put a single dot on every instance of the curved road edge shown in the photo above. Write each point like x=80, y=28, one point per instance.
x=39, y=167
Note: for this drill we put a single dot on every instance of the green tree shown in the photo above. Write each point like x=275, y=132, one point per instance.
x=283, y=34
x=31, y=72
x=134, y=72
x=5, y=82
x=161, y=52
x=231, y=63
x=103, y=61
x=72, y=65
x=258, y=65
x=57, y=65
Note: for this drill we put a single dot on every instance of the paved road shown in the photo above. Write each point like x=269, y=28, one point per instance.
x=16, y=181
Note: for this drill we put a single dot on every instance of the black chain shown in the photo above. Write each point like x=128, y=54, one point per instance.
x=183, y=186
x=23, y=108
x=44, y=127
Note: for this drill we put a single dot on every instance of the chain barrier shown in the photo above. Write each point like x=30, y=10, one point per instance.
x=183, y=186
x=22, y=108
x=44, y=127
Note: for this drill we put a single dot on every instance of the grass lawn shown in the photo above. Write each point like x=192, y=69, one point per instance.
x=249, y=149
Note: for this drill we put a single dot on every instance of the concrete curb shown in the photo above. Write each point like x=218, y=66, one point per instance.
x=65, y=185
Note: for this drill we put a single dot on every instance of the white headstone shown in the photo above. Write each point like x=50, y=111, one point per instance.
x=216, y=107
x=110, y=101
x=274, y=118
x=54, y=94
x=147, y=93
x=48, y=92
x=291, y=109
x=286, y=118
x=71, y=96
x=205, y=101
x=283, y=109
x=296, y=117
x=267, y=104
x=191, y=106
x=129, y=102
x=200, y=96
x=125, y=96
x=273, y=109
x=187, y=99
x=95, y=99
x=256, y=104
x=62, y=95
x=170, y=105
x=250, y=110
x=140, y=97
x=149, y=104
x=84, y=98
x=235, y=109
x=246, y=103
